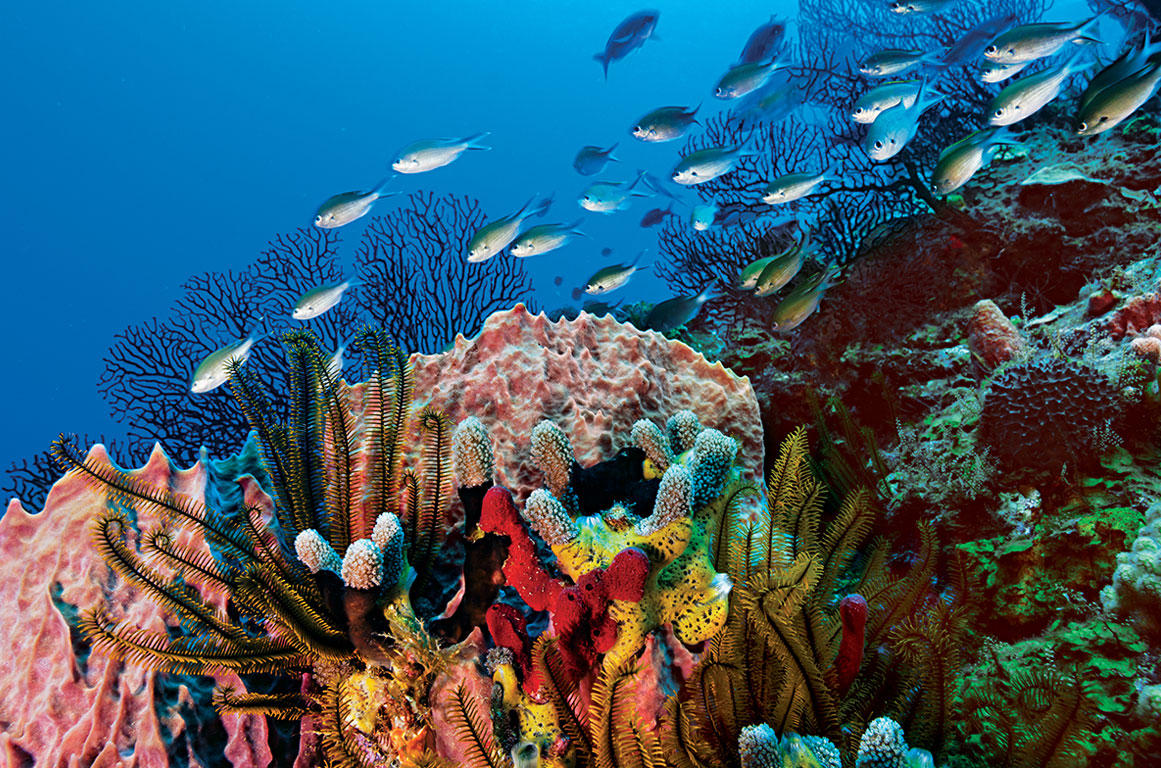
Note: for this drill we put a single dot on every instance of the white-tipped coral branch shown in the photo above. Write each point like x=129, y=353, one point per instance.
x=363, y=565
x=472, y=453
x=552, y=453
x=316, y=553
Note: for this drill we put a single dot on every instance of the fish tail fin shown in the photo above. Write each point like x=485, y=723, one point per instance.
x=473, y=142
x=1087, y=40
x=603, y=57
x=609, y=152
x=542, y=207
x=572, y=227
x=693, y=112
x=381, y=187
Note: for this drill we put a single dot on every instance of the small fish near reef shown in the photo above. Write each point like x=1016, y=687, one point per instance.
x=781, y=269
x=497, y=235
x=882, y=97
x=665, y=124
x=544, y=238
x=655, y=216
x=802, y=302
x=678, y=311
x=1029, y=42
x=795, y=186
x=429, y=154
x=628, y=36
x=908, y=7
x=342, y=209
x=1113, y=104
x=971, y=44
x=702, y=216
x=708, y=164
x=318, y=300
x=963, y=159
x=611, y=278
x=591, y=160
x=896, y=126
x=1028, y=95
x=214, y=371
x=764, y=43
x=893, y=61
x=744, y=79
x=610, y=196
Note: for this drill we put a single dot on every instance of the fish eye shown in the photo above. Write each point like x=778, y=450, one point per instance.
x=1082, y=127
x=878, y=145
x=998, y=113
x=991, y=49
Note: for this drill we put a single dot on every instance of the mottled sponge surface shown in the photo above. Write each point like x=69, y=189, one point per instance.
x=1136, y=589
x=593, y=377
x=1045, y=413
x=61, y=710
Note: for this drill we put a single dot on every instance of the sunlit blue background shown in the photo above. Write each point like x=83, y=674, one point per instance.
x=146, y=141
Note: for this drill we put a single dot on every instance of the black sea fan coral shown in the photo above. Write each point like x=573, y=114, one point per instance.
x=1044, y=414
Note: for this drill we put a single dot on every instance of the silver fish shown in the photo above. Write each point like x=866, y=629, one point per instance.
x=896, y=126
x=335, y=362
x=214, y=371
x=1116, y=102
x=801, y=303
x=591, y=160
x=893, y=61
x=971, y=44
x=748, y=277
x=665, y=124
x=960, y=161
x=991, y=72
x=346, y=207
x=429, y=154
x=611, y=278
x=544, y=238
x=702, y=216
x=318, y=300
x=794, y=186
x=1131, y=60
x=884, y=96
x=907, y=7
x=1029, y=42
x=1028, y=95
x=628, y=36
x=610, y=196
x=764, y=43
x=780, y=271
x=743, y=79
x=678, y=311
x=497, y=235
x=707, y=164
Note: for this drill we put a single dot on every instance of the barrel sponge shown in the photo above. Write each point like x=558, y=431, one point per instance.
x=1136, y=589
x=882, y=746
x=552, y=453
x=683, y=428
x=548, y=517
x=758, y=747
x=674, y=500
x=388, y=536
x=315, y=553
x=472, y=453
x=648, y=437
x=713, y=455
x=363, y=565
x=1043, y=414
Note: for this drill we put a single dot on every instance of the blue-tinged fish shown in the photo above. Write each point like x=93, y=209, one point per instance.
x=908, y=7
x=802, y=302
x=600, y=308
x=1116, y=102
x=497, y=235
x=429, y=154
x=894, y=61
x=1029, y=42
x=707, y=164
x=970, y=45
x=743, y=79
x=794, y=186
x=1028, y=95
x=655, y=216
x=611, y=278
x=214, y=371
x=544, y=238
x=590, y=160
x=346, y=207
x=318, y=300
x=1132, y=59
x=772, y=102
x=991, y=72
x=335, y=362
x=896, y=126
x=765, y=42
x=665, y=124
x=628, y=36
x=702, y=216
x=610, y=196
x=960, y=161
x=872, y=103
x=678, y=311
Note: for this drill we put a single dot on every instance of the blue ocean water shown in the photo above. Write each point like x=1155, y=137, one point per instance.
x=149, y=141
